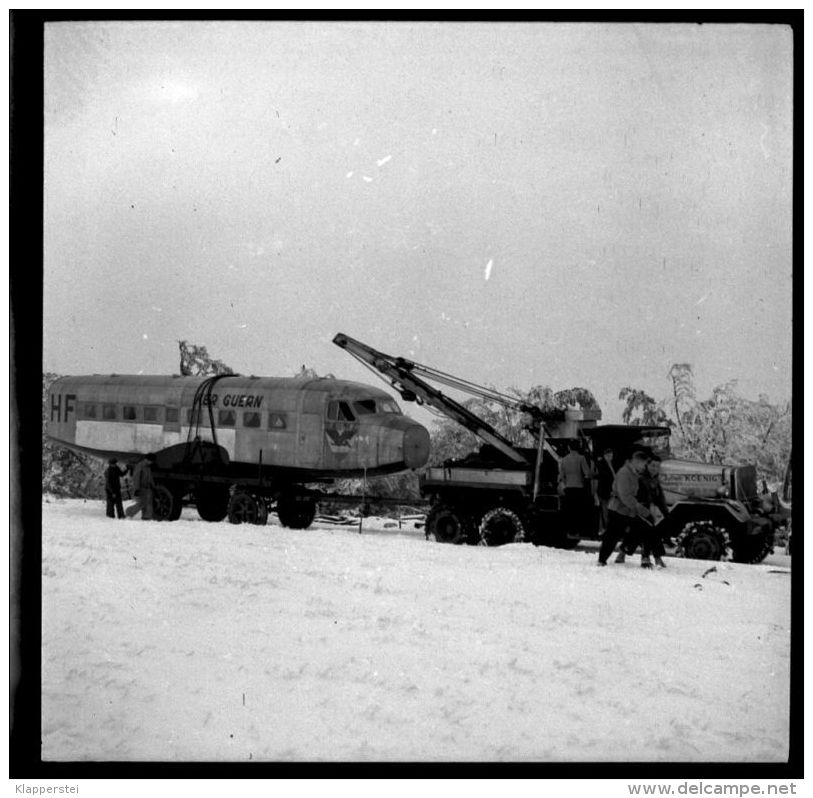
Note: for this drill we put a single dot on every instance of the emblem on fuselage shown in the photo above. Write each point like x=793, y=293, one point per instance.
x=341, y=433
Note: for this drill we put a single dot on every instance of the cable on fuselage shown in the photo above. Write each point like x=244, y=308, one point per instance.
x=203, y=396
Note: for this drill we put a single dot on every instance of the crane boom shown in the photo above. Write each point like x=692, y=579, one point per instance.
x=402, y=375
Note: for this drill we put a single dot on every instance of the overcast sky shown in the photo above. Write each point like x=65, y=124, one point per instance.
x=518, y=204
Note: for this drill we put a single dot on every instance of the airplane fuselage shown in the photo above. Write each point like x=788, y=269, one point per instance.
x=299, y=427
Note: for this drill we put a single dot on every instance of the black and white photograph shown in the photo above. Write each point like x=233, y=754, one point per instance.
x=417, y=392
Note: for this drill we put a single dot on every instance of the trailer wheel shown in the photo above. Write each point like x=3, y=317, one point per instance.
x=262, y=511
x=212, y=503
x=243, y=508
x=295, y=514
x=445, y=524
x=703, y=540
x=166, y=504
x=500, y=526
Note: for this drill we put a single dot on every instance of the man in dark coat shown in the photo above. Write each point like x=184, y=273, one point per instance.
x=605, y=475
x=574, y=482
x=626, y=513
x=112, y=488
x=650, y=494
x=143, y=486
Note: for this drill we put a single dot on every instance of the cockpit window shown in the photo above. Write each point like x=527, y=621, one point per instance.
x=339, y=411
x=368, y=406
x=364, y=407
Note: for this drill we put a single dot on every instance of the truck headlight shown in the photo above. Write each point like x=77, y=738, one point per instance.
x=722, y=492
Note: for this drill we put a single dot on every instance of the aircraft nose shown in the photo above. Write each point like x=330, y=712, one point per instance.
x=416, y=446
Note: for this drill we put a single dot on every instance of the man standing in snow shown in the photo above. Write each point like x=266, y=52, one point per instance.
x=143, y=486
x=112, y=488
x=605, y=475
x=650, y=494
x=625, y=512
x=574, y=479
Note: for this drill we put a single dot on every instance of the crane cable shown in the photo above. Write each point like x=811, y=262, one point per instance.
x=380, y=376
x=442, y=377
x=203, y=396
x=458, y=383
x=489, y=394
x=467, y=386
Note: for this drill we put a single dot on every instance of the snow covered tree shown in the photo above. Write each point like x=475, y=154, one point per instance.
x=196, y=361
x=306, y=371
x=452, y=441
x=642, y=409
x=403, y=487
x=725, y=428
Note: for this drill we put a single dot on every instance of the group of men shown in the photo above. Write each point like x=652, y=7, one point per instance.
x=143, y=486
x=631, y=502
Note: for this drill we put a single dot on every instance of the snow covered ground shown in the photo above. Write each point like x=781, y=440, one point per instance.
x=196, y=641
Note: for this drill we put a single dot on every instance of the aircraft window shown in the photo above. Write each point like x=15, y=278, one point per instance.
x=151, y=413
x=172, y=415
x=90, y=411
x=339, y=411
x=251, y=419
x=108, y=412
x=367, y=406
x=226, y=418
x=364, y=407
x=129, y=413
x=277, y=421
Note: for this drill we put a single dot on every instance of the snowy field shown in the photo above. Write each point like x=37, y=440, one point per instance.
x=195, y=641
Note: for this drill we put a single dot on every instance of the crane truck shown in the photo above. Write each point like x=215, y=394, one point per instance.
x=506, y=493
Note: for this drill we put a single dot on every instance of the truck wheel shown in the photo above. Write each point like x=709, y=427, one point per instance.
x=295, y=514
x=243, y=508
x=212, y=503
x=500, y=526
x=753, y=548
x=703, y=540
x=445, y=524
x=166, y=504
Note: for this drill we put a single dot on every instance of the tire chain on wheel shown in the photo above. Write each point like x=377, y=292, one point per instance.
x=708, y=527
x=510, y=515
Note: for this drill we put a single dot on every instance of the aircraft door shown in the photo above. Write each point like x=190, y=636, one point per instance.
x=310, y=430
